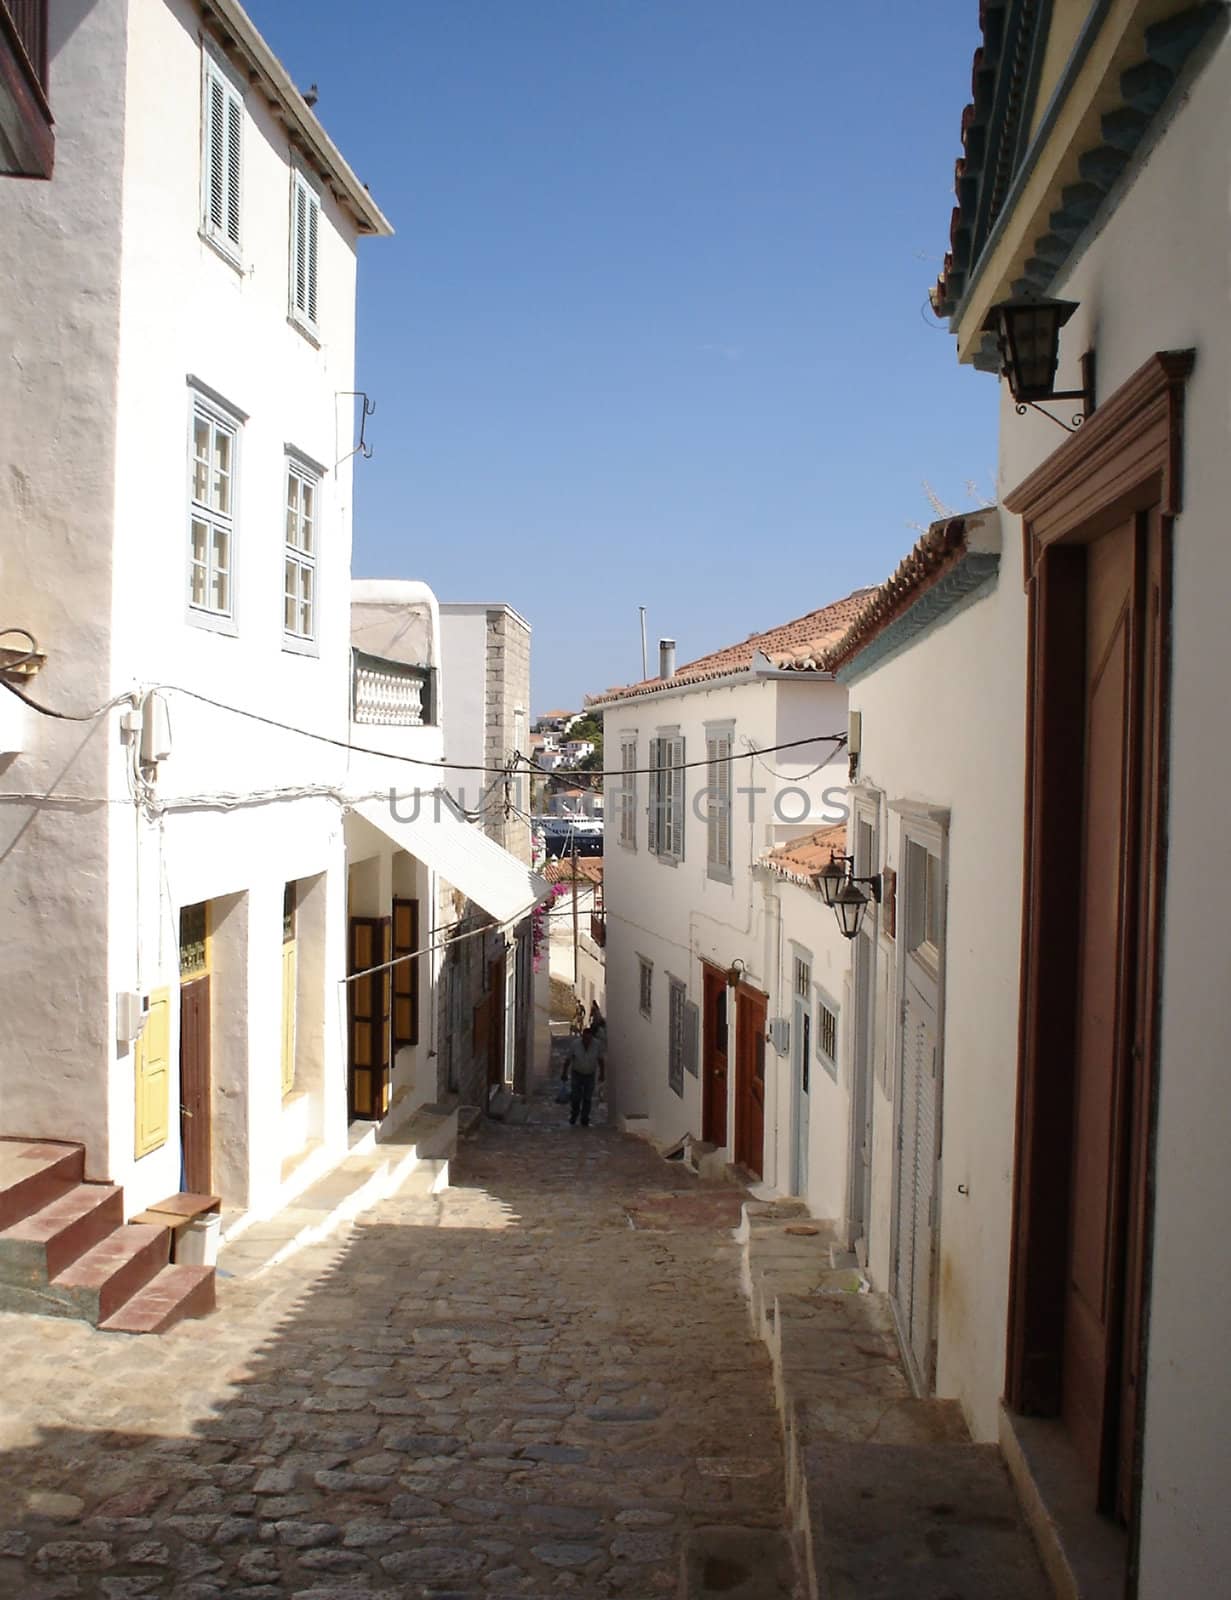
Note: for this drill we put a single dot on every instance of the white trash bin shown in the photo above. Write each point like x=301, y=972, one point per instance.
x=197, y=1244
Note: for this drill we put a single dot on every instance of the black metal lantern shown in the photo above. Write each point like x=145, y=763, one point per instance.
x=849, y=908
x=1028, y=335
x=830, y=878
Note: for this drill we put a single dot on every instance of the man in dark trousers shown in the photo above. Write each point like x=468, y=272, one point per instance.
x=585, y=1057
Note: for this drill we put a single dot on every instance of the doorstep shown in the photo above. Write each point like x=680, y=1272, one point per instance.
x=1086, y=1555
x=887, y=1493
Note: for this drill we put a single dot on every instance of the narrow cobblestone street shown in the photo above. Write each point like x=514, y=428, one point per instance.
x=503, y=1389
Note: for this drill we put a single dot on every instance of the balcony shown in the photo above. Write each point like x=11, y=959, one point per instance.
x=27, y=144
x=391, y=694
x=598, y=928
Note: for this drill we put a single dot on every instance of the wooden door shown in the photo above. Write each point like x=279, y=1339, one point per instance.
x=196, y=1132
x=369, y=1005
x=801, y=1072
x=495, y=1024
x=406, y=973
x=714, y=1058
x=751, y=1012
x=152, y=1075
x=1099, y=1382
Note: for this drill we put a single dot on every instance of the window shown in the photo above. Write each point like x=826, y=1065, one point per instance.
x=211, y=514
x=827, y=1035
x=666, y=811
x=923, y=887
x=628, y=792
x=719, y=743
x=677, y=996
x=299, y=561
x=647, y=986
x=305, y=227
x=222, y=136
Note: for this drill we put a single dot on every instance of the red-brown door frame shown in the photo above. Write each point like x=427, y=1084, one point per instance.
x=1126, y=459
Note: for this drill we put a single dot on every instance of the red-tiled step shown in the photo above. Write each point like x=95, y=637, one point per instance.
x=175, y=1293
x=40, y=1245
x=99, y=1282
x=34, y=1172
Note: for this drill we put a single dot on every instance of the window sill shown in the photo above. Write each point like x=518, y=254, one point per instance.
x=305, y=330
x=667, y=861
x=293, y=646
x=720, y=875
x=232, y=259
x=213, y=622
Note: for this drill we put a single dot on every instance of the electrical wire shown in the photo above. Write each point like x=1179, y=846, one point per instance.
x=50, y=711
x=444, y=944
x=577, y=778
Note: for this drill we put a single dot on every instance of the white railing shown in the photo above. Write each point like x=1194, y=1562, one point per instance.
x=390, y=693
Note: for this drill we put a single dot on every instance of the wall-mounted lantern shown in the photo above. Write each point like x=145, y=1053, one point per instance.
x=1028, y=338
x=840, y=889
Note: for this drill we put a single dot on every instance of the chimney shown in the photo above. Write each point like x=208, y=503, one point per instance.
x=666, y=658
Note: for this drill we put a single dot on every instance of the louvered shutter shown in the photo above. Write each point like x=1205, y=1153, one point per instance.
x=676, y=779
x=305, y=232
x=234, y=143
x=215, y=154
x=655, y=787
x=314, y=212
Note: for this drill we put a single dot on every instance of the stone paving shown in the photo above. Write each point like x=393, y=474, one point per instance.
x=505, y=1389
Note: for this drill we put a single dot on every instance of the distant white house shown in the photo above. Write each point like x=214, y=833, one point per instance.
x=700, y=980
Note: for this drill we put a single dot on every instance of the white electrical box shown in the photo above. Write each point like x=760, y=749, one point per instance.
x=131, y=1011
x=780, y=1034
x=155, y=729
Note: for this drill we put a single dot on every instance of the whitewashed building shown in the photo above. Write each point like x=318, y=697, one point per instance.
x=698, y=974
x=197, y=820
x=1050, y=1183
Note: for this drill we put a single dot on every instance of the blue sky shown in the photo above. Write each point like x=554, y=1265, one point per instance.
x=653, y=329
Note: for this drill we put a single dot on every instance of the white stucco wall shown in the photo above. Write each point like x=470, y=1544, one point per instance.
x=676, y=916
x=1158, y=277
x=59, y=328
x=463, y=693
x=943, y=723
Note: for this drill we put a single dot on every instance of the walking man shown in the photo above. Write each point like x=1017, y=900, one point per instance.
x=585, y=1056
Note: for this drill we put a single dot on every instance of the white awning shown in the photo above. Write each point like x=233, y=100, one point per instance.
x=431, y=829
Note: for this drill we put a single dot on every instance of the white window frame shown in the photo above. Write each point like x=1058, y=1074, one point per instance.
x=677, y=1003
x=628, y=790
x=825, y=1005
x=667, y=800
x=305, y=231
x=295, y=556
x=719, y=748
x=645, y=979
x=215, y=520
x=225, y=230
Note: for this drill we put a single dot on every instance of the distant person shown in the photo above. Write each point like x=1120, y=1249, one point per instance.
x=585, y=1060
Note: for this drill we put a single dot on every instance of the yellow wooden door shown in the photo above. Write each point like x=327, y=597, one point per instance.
x=289, y=993
x=152, y=1073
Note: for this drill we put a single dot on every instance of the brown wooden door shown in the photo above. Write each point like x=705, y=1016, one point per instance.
x=369, y=1003
x=196, y=1135
x=1106, y=1206
x=406, y=973
x=751, y=1010
x=714, y=1056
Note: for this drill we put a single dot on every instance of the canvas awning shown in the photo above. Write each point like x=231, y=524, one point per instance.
x=431, y=828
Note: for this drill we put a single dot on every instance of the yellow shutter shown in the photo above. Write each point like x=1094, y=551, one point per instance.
x=288, y=1017
x=152, y=1069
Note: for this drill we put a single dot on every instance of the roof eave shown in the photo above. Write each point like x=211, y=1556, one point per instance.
x=320, y=147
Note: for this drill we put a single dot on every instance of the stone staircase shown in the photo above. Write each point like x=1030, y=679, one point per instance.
x=887, y=1494
x=66, y=1251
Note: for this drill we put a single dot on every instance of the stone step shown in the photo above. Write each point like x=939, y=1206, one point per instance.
x=44, y=1242
x=34, y=1172
x=918, y=1522
x=738, y=1564
x=172, y=1295
x=97, y=1283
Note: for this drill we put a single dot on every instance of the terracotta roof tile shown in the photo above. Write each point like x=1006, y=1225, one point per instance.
x=793, y=646
x=589, y=870
x=799, y=859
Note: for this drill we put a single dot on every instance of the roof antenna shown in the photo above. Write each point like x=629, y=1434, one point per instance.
x=311, y=96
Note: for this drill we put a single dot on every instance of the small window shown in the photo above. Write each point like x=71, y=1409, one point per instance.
x=290, y=901
x=827, y=1036
x=924, y=902
x=719, y=743
x=212, y=496
x=628, y=791
x=647, y=986
x=222, y=139
x=305, y=231
x=677, y=1000
x=194, y=949
x=299, y=559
